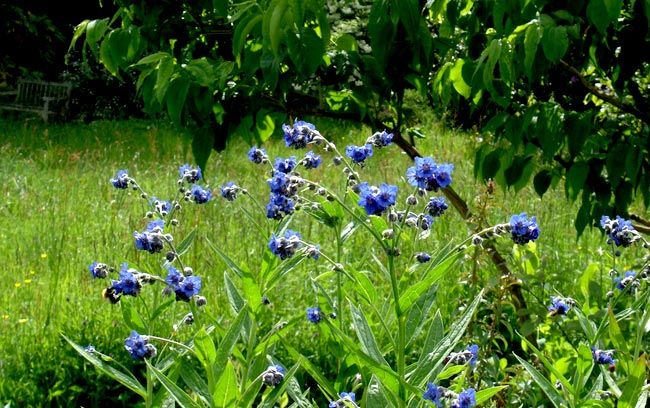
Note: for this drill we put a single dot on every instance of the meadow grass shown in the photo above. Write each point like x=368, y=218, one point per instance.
x=60, y=213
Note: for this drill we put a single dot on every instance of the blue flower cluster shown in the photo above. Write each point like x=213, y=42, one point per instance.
x=359, y=154
x=184, y=287
x=604, y=357
x=122, y=180
x=189, y=174
x=429, y=176
x=273, y=375
x=436, y=206
x=301, y=134
x=522, y=229
x=139, y=347
x=346, y=400
x=560, y=305
x=628, y=282
x=376, y=200
x=314, y=314
x=469, y=355
x=620, y=231
x=285, y=246
x=435, y=394
x=380, y=139
x=151, y=240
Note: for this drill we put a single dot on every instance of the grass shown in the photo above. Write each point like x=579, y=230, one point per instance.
x=60, y=213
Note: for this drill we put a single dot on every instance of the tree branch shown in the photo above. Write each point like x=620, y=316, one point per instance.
x=611, y=99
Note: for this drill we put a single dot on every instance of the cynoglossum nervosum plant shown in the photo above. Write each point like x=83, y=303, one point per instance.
x=376, y=305
x=603, y=359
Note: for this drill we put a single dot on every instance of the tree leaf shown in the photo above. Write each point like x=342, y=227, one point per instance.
x=555, y=43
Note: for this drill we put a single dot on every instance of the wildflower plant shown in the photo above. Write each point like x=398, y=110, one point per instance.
x=389, y=342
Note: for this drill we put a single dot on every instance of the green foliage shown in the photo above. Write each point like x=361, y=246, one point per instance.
x=557, y=90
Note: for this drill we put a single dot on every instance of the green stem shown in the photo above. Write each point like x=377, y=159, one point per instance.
x=401, y=332
x=339, y=281
x=149, y=399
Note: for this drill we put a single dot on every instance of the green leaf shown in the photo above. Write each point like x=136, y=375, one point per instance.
x=598, y=14
x=125, y=378
x=175, y=99
x=95, y=30
x=132, y=318
x=186, y=242
x=366, y=337
x=457, y=80
x=377, y=395
x=229, y=340
x=532, y=39
x=237, y=302
x=548, y=365
x=164, y=74
x=202, y=71
x=249, y=25
x=195, y=382
x=430, y=360
x=202, y=143
x=205, y=349
x=543, y=383
x=347, y=42
x=180, y=396
x=575, y=179
x=416, y=317
x=615, y=334
x=542, y=181
x=487, y=393
x=437, y=272
x=616, y=163
x=229, y=262
x=227, y=390
x=555, y=43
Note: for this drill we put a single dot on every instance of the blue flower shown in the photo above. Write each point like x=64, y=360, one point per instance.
x=428, y=175
x=285, y=246
x=278, y=182
x=627, y=282
x=523, y=229
x=229, y=191
x=199, y=195
x=187, y=287
x=473, y=349
x=467, y=398
x=139, y=347
x=603, y=356
x=433, y=394
x=285, y=165
x=380, y=139
x=273, y=375
x=128, y=283
x=98, y=270
x=122, y=179
x=162, y=207
x=359, y=154
x=311, y=160
x=469, y=355
x=173, y=276
x=347, y=399
x=189, y=174
x=279, y=205
x=425, y=222
x=314, y=314
x=559, y=306
x=620, y=231
x=300, y=134
x=257, y=155
x=436, y=206
x=422, y=257
x=376, y=200
x=151, y=240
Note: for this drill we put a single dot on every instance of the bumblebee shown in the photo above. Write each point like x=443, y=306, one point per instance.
x=110, y=295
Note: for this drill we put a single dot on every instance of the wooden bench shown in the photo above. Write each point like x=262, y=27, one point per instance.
x=42, y=97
